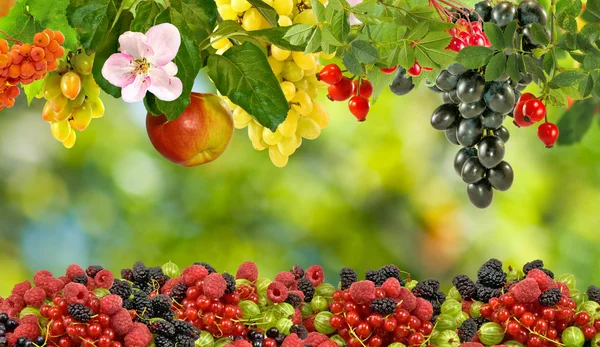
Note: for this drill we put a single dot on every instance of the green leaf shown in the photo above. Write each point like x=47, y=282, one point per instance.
x=299, y=33
x=496, y=67
x=244, y=75
x=150, y=104
x=352, y=64
x=533, y=68
x=557, y=98
x=146, y=13
x=580, y=58
x=418, y=14
x=539, y=34
x=33, y=89
x=567, y=22
x=431, y=50
x=596, y=77
x=495, y=35
x=20, y=24
x=314, y=42
x=110, y=45
x=594, y=7
x=586, y=86
x=573, y=7
x=512, y=67
x=567, y=78
x=380, y=82
x=591, y=62
x=201, y=16
x=587, y=37
x=296, y=34
x=509, y=34
x=339, y=27
x=406, y=55
x=549, y=64
x=267, y=11
x=473, y=57
x=418, y=31
x=92, y=19
x=570, y=41
x=575, y=123
x=364, y=52
x=55, y=19
x=319, y=10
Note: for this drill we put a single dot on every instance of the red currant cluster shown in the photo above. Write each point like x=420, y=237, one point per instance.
x=342, y=88
x=467, y=33
x=530, y=110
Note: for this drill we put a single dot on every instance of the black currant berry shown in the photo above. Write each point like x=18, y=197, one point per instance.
x=472, y=171
x=503, y=13
x=502, y=133
x=501, y=176
x=444, y=116
x=402, y=83
x=461, y=157
x=469, y=132
x=500, y=97
x=473, y=109
x=491, y=119
x=490, y=151
x=446, y=98
x=480, y=193
x=446, y=81
x=451, y=136
x=530, y=11
x=484, y=9
x=470, y=87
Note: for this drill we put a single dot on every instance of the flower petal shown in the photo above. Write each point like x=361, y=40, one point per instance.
x=165, y=87
x=118, y=69
x=171, y=69
x=135, y=44
x=165, y=41
x=137, y=90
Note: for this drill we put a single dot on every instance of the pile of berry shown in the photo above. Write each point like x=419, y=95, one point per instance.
x=166, y=307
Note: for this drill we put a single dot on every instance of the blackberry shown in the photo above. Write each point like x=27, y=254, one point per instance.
x=298, y=271
x=184, y=328
x=178, y=292
x=82, y=279
x=593, y=293
x=121, y=288
x=437, y=309
x=128, y=304
x=230, y=283
x=306, y=287
x=376, y=277
x=426, y=289
x=465, y=286
x=299, y=330
x=468, y=330
x=92, y=270
x=390, y=271
x=162, y=328
x=140, y=272
x=80, y=313
x=161, y=341
x=143, y=305
x=383, y=306
x=347, y=277
x=536, y=264
x=145, y=287
x=480, y=321
x=161, y=303
x=491, y=275
x=548, y=272
x=294, y=299
x=184, y=341
x=550, y=297
x=207, y=266
x=484, y=293
x=167, y=315
x=127, y=274
x=157, y=276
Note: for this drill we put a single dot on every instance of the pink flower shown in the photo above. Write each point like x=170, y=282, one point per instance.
x=146, y=64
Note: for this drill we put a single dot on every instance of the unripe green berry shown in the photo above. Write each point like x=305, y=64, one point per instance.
x=284, y=325
x=452, y=307
x=514, y=274
x=446, y=322
x=590, y=307
x=491, y=334
x=171, y=269
x=397, y=344
x=205, y=340
x=475, y=309
x=306, y=310
x=285, y=310
x=262, y=284
x=339, y=340
x=569, y=280
x=578, y=297
x=454, y=294
x=322, y=323
x=573, y=337
x=318, y=304
x=223, y=341
x=249, y=309
x=325, y=290
x=513, y=343
x=463, y=316
x=410, y=285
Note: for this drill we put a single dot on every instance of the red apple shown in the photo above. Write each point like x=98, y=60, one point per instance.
x=200, y=135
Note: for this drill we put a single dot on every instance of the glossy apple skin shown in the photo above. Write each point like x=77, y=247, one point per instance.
x=200, y=135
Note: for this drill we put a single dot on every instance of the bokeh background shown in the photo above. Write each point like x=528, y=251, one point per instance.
x=362, y=195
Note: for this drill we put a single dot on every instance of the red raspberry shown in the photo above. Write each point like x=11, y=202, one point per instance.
x=471, y=344
x=104, y=279
x=362, y=292
x=315, y=275
x=193, y=274
x=139, y=336
x=408, y=299
x=392, y=287
x=292, y=341
x=214, y=286
x=527, y=291
x=466, y=305
x=544, y=281
x=286, y=278
x=564, y=288
x=110, y=304
x=241, y=343
x=65, y=279
x=30, y=331
x=51, y=285
x=328, y=343
x=12, y=339
x=14, y=303
x=166, y=289
x=277, y=292
x=41, y=276
x=121, y=322
x=297, y=317
x=20, y=288
x=315, y=339
x=35, y=297
x=247, y=270
x=423, y=311
x=30, y=319
x=74, y=271
x=309, y=323
x=91, y=284
x=75, y=293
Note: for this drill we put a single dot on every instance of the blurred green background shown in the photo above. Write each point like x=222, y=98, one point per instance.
x=362, y=195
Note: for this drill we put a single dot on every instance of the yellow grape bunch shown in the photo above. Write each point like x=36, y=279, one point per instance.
x=296, y=72
x=73, y=98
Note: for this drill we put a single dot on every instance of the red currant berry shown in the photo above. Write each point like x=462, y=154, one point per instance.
x=548, y=134
x=402, y=316
x=359, y=107
x=589, y=332
x=116, y=344
x=402, y=332
x=94, y=330
x=513, y=328
x=330, y=74
x=375, y=341
x=415, y=70
x=390, y=324
x=415, y=339
x=108, y=332
x=269, y=342
x=354, y=342
x=427, y=328
x=229, y=311
x=341, y=91
x=508, y=299
x=582, y=318
x=365, y=90
x=456, y=44
x=64, y=341
x=337, y=295
x=208, y=318
x=597, y=324
x=363, y=330
x=552, y=333
x=388, y=70
x=336, y=307
x=376, y=320
x=350, y=306
x=476, y=40
x=503, y=315
x=414, y=322
x=486, y=311
x=57, y=328
x=548, y=313
x=352, y=318
x=226, y=326
x=336, y=322
x=528, y=319
x=535, y=341
x=192, y=293
x=541, y=326
x=104, y=341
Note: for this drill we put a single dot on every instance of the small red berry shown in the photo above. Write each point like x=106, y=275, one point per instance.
x=330, y=74
x=365, y=90
x=359, y=107
x=548, y=134
x=415, y=70
x=341, y=91
x=534, y=111
x=582, y=318
x=388, y=70
x=589, y=332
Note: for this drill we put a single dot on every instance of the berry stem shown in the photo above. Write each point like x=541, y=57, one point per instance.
x=537, y=334
x=10, y=38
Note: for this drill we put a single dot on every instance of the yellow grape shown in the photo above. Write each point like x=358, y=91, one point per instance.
x=298, y=140
x=305, y=61
x=276, y=65
x=59, y=103
x=290, y=124
x=47, y=112
x=82, y=117
x=284, y=21
x=97, y=107
x=271, y=138
x=241, y=118
x=292, y=72
x=328, y=56
x=240, y=5
x=302, y=103
x=78, y=100
x=65, y=113
x=308, y=128
x=287, y=145
x=228, y=13
x=277, y=158
x=70, y=141
x=70, y=84
x=312, y=91
x=302, y=84
x=52, y=86
x=60, y=130
x=219, y=43
x=311, y=72
x=224, y=49
x=222, y=2
x=319, y=115
x=255, y=131
x=90, y=87
x=306, y=17
x=279, y=54
x=268, y=2
x=252, y=20
x=83, y=63
x=289, y=90
x=283, y=7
